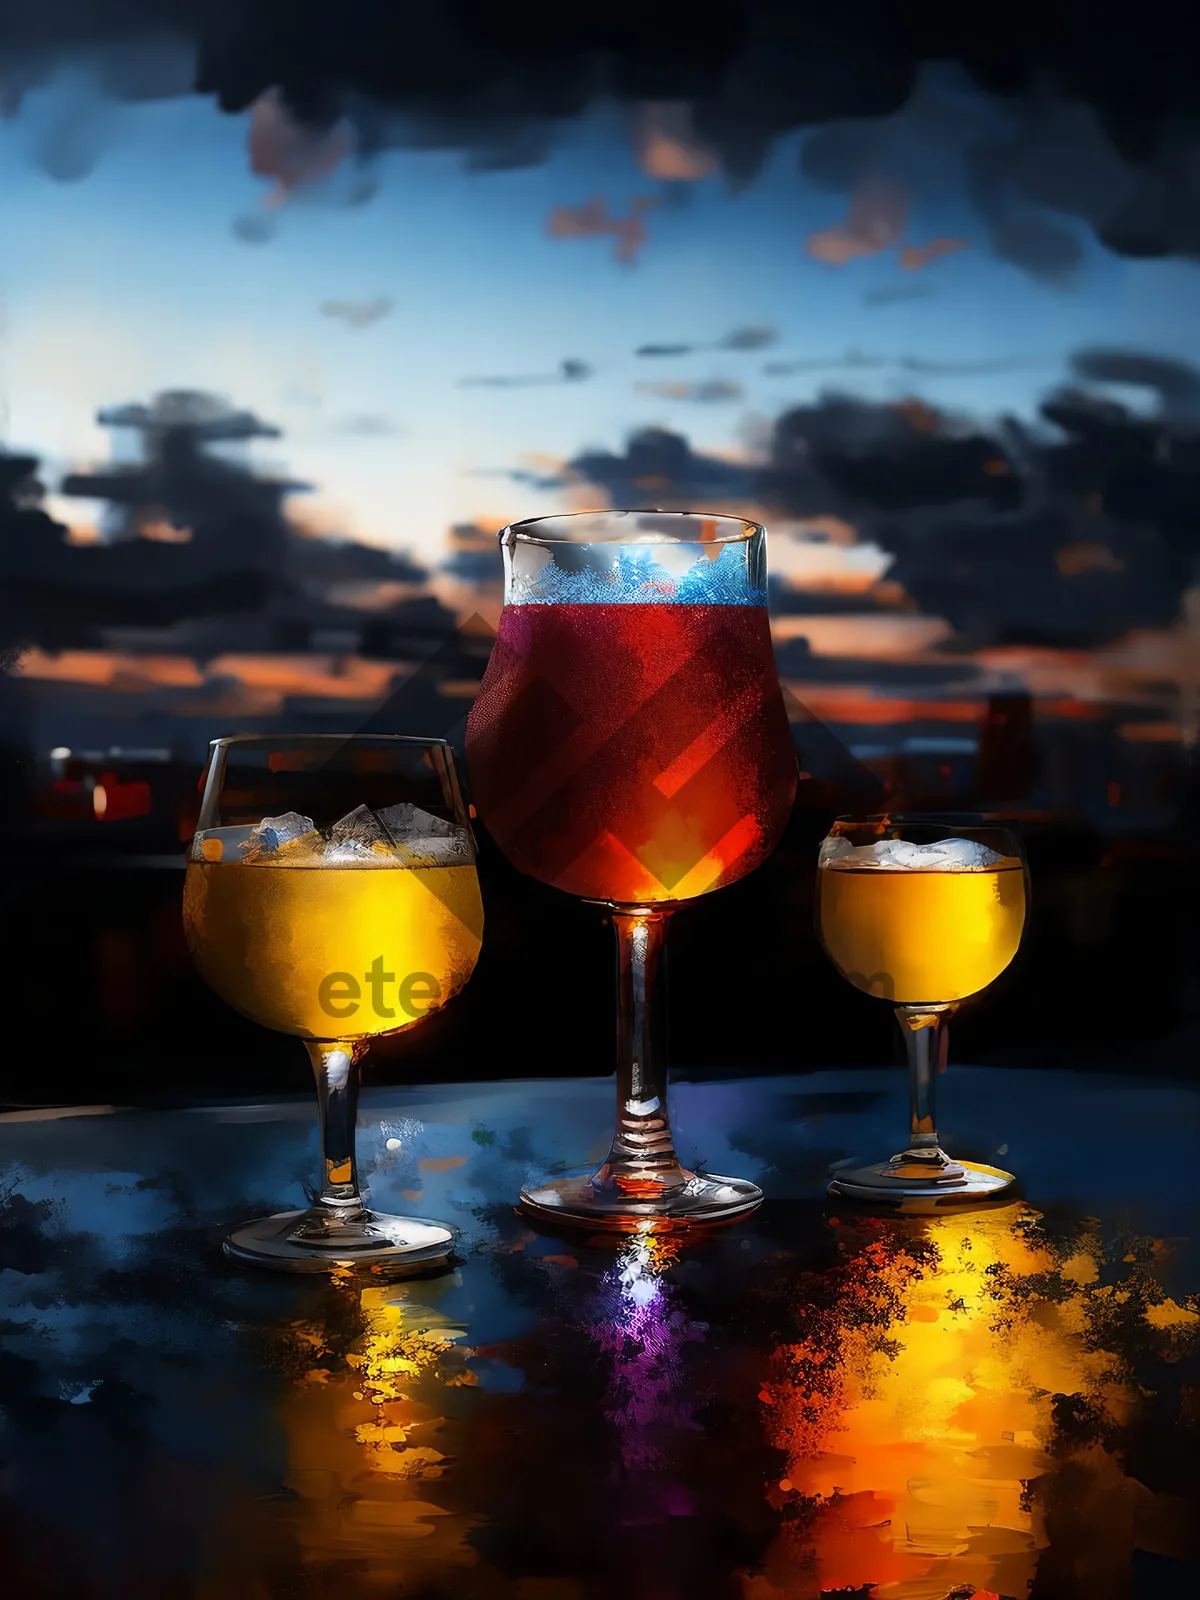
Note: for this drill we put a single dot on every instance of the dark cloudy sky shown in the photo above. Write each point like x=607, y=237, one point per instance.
x=346, y=291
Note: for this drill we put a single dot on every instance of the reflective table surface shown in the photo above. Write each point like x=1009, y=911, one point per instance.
x=812, y=1401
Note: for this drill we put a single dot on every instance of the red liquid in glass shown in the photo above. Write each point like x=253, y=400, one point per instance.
x=632, y=753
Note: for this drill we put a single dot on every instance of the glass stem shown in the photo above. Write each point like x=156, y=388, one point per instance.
x=335, y=1066
x=642, y=1161
x=926, y=1040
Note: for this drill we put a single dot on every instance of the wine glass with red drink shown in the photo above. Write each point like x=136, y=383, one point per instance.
x=630, y=745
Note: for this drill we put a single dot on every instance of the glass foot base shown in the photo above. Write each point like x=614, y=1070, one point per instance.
x=574, y=1199
x=877, y=1185
x=397, y=1245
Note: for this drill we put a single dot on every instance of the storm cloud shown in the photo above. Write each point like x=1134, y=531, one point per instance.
x=1066, y=529
x=1084, y=123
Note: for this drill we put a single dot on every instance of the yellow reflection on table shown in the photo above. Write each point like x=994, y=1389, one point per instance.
x=368, y=1432
x=918, y=1412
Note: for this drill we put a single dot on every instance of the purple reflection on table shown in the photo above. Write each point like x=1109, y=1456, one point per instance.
x=643, y=1331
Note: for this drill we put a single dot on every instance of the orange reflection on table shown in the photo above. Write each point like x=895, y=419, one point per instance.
x=920, y=1412
x=367, y=1427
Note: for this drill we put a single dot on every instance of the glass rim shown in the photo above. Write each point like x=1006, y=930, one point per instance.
x=424, y=740
x=268, y=741
x=523, y=530
x=952, y=824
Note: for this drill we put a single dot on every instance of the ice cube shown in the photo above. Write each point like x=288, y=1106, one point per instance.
x=946, y=855
x=361, y=839
x=422, y=840
x=360, y=827
x=306, y=849
x=280, y=838
x=834, y=849
x=406, y=821
x=354, y=852
x=965, y=853
x=901, y=853
x=281, y=830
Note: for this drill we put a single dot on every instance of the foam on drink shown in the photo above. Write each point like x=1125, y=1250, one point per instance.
x=919, y=924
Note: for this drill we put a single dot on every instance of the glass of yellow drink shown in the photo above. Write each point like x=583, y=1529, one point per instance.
x=922, y=912
x=331, y=893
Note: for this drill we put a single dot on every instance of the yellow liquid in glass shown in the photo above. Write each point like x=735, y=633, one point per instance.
x=280, y=942
x=921, y=937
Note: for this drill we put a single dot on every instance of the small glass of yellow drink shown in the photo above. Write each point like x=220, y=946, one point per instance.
x=923, y=912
